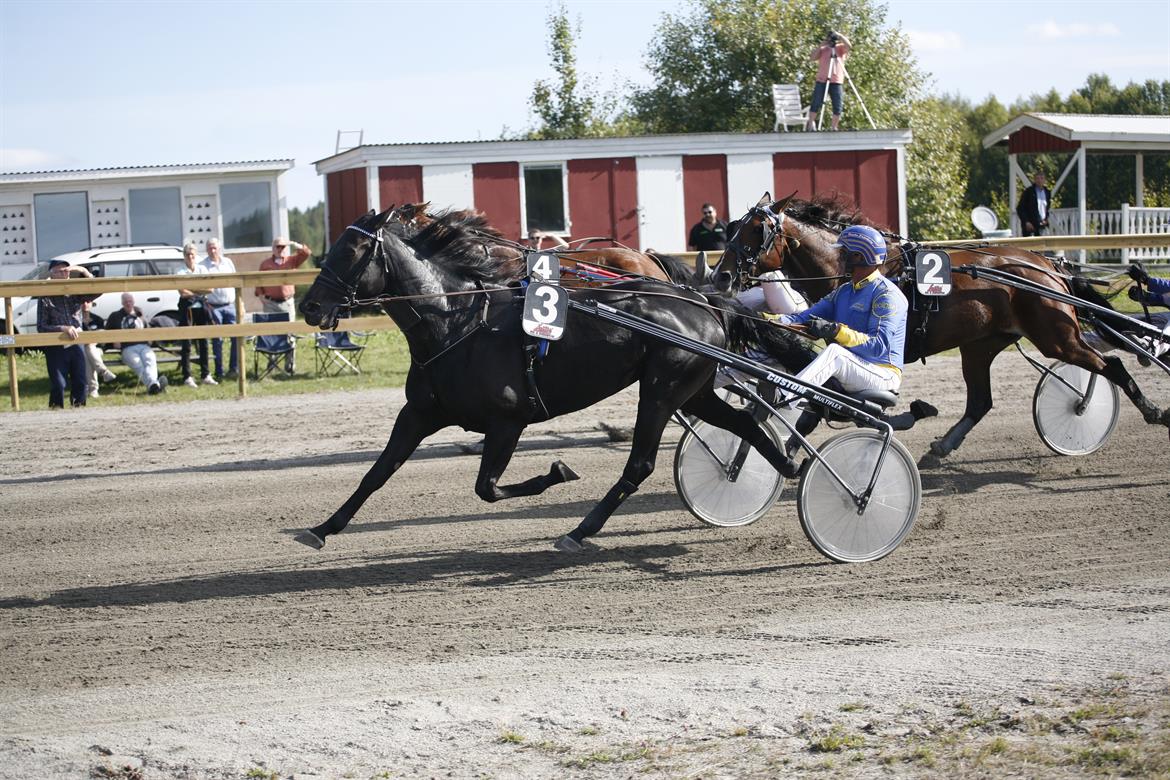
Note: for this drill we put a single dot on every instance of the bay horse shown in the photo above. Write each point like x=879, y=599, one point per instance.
x=979, y=317
x=580, y=267
x=468, y=364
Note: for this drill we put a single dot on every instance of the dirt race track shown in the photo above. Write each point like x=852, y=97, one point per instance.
x=157, y=620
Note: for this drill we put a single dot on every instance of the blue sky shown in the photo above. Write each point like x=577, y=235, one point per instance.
x=90, y=85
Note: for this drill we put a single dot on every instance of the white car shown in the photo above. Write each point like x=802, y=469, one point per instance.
x=152, y=260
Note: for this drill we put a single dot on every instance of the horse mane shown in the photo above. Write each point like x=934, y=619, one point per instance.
x=457, y=240
x=834, y=207
x=676, y=270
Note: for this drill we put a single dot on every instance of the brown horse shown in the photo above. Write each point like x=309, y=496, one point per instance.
x=579, y=267
x=979, y=317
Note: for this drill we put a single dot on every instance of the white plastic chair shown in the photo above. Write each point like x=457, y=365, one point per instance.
x=786, y=102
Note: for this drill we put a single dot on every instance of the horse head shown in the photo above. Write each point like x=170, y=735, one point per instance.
x=349, y=272
x=759, y=241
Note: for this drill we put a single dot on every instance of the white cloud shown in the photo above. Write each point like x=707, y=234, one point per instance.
x=928, y=40
x=1055, y=30
x=17, y=159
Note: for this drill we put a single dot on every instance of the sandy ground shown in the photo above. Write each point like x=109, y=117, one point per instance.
x=156, y=620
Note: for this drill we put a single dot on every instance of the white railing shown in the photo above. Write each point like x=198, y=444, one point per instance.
x=1126, y=220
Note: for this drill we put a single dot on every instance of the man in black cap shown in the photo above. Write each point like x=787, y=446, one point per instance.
x=62, y=314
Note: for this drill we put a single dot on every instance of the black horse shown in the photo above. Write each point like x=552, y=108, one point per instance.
x=469, y=366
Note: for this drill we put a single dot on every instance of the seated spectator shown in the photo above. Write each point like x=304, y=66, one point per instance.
x=95, y=364
x=137, y=354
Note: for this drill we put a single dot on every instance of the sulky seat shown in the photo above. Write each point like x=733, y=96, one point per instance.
x=273, y=348
x=336, y=354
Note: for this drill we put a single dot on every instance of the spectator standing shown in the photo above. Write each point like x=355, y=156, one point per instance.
x=709, y=233
x=1034, y=206
x=95, y=364
x=193, y=311
x=137, y=354
x=221, y=306
x=278, y=299
x=536, y=240
x=830, y=56
x=62, y=314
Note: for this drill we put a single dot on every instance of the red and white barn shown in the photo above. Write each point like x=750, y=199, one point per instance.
x=644, y=191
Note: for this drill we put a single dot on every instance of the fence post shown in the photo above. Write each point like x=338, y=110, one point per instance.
x=10, y=330
x=239, y=346
x=1125, y=228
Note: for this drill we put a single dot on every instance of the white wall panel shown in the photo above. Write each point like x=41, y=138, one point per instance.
x=448, y=186
x=749, y=176
x=661, y=221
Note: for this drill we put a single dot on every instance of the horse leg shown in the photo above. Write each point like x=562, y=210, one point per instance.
x=710, y=408
x=410, y=428
x=498, y=446
x=653, y=414
x=977, y=358
x=1078, y=353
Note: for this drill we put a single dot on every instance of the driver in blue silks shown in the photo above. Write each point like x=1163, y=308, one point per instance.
x=1157, y=293
x=864, y=322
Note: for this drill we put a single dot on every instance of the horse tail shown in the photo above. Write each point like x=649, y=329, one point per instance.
x=676, y=270
x=748, y=332
x=1084, y=289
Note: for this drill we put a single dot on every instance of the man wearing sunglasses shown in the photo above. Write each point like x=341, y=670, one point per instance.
x=709, y=233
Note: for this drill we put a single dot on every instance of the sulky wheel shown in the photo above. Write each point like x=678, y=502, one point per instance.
x=704, y=484
x=1074, y=422
x=828, y=513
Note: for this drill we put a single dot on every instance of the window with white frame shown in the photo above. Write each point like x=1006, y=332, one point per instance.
x=62, y=223
x=545, y=202
x=247, y=214
x=156, y=216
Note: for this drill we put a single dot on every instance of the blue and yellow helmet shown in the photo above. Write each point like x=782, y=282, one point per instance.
x=865, y=241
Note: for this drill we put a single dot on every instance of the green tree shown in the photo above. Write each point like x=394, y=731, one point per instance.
x=936, y=173
x=308, y=227
x=568, y=106
x=713, y=64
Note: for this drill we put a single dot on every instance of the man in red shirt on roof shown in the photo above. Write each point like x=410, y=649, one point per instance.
x=279, y=298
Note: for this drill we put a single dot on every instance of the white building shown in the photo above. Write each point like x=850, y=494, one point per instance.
x=46, y=213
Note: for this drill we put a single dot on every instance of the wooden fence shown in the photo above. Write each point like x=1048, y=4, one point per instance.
x=45, y=287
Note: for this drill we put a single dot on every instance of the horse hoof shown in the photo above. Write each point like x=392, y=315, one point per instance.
x=921, y=410
x=568, y=544
x=929, y=461
x=310, y=539
x=567, y=474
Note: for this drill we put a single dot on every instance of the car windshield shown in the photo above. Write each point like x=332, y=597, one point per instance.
x=40, y=272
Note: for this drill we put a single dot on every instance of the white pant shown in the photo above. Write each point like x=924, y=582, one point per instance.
x=775, y=295
x=851, y=371
x=140, y=357
x=94, y=365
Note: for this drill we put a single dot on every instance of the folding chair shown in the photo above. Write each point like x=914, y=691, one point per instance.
x=336, y=354
x=275, y=348
x=786, y=103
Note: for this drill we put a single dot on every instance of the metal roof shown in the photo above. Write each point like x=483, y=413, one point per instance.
x=81, y=174
x=1095, y=130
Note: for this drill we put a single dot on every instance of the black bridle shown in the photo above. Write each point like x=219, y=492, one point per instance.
x=348, y=288
x=747, y=260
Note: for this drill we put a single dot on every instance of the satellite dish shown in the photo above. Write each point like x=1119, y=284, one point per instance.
x=984, y=219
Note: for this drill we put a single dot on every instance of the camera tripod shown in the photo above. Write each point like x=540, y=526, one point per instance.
x=834, y=63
